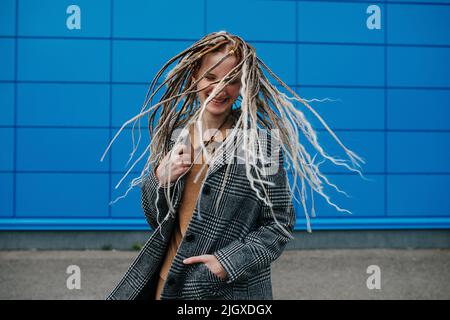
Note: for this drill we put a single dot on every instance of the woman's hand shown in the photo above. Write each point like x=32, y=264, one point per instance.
x=211, y=263
x=176, y=163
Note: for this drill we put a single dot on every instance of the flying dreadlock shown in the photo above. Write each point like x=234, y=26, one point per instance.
x=262, y=105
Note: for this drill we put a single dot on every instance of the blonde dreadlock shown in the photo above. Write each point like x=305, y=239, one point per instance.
x=262, y=105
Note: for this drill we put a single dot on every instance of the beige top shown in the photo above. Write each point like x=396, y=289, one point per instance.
x=186, y=209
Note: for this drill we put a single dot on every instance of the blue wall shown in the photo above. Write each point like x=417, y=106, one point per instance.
x=64, y=93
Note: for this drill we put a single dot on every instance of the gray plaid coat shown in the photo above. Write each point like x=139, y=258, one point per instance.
x=237, y=228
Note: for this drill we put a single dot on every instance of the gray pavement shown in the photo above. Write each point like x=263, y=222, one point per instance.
x=297, y=274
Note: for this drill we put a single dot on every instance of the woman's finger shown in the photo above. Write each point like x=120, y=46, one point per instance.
x=196, y=259
x=186, y=158
x=176, y=150
x=179, y=164
x=182, y=149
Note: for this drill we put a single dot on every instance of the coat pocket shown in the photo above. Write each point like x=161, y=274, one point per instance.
x=215, y=286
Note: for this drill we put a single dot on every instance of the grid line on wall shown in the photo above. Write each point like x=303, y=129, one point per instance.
x=317, y=129
x=419, y=3
x=14, y=187
x=443, y=88
x=296, y=42
x=385, y=27
x=205, y=20
x=375, y=173
x=110, y=108
x=296, y=49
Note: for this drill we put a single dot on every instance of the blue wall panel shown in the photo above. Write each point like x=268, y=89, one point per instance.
x=313, y=16
x=61, y=195
x=57, y=104
x=7, y=59
x=422, y=1
x=122, y=149
x=276, y=56
x=419, y=24
x=6, y=104
x=63, y=60
x=61, y=149
x=418, y=109
x=65, y=92
x=139, y=61
x=129, y=206
x=7, y=17
x=341, y=65
x=369, y=144
x=43, y=18
x=419, y=152
x=255, y=20
x=418, y=195
x=126, y=99
x=431, y=67
x=149, y=19
x=365, y=198
x=6, y=195
x=346, y=108
x=7, y=154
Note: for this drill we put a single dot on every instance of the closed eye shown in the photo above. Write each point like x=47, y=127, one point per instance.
x=209, y=76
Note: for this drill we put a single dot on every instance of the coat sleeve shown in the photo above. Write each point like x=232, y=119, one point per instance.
x=244, y=257
x=153, y=198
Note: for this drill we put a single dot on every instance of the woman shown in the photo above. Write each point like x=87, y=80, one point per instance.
x=214, y=187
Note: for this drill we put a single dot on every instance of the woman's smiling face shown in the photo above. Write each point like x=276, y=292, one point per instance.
x=225, y=99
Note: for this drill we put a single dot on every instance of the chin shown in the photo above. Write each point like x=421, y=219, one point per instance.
x=217, y=111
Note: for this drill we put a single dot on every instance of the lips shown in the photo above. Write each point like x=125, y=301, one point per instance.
x=219, y=100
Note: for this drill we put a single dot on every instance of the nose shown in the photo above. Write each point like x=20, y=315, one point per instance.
x=221, y=94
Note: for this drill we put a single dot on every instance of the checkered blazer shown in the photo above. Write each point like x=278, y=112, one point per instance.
x=235, y=226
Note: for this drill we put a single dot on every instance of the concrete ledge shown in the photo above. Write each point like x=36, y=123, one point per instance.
x=133, y=240
x=73, y=240
x=361, y=239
